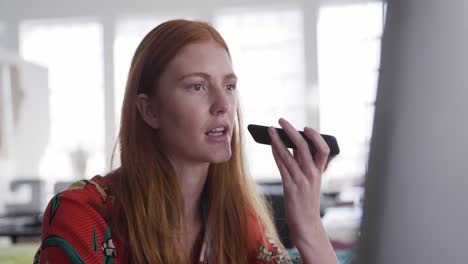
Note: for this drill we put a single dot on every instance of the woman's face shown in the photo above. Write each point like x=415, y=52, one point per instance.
x=196, y=104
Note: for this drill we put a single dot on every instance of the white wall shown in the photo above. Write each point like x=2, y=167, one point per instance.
x=24, y=120
x=33, y=119
x=6, y=131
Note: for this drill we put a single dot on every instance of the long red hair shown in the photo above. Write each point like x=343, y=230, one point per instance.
x=149, y=201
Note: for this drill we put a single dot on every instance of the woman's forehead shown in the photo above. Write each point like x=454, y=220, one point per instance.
x=207, y=56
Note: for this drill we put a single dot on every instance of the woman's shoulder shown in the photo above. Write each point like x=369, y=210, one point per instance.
x=95, y=190
x=75, y=223
x=88, y=200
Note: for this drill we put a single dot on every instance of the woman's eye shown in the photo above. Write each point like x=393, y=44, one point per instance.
x=230, y=87
x=197, y=87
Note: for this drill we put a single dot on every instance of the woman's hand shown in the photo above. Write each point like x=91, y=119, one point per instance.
x=301, y=175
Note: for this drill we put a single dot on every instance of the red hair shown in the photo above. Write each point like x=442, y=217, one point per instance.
x=149, y=201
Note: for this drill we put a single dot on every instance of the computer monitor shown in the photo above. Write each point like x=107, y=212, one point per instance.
x=416, y=201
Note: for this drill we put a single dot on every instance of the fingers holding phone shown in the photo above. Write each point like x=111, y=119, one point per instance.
x=301, y=153
x=260, y=135
x=286, y=162
x=323, y=150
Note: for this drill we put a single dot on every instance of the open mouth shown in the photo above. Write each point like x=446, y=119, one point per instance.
x=218, y=131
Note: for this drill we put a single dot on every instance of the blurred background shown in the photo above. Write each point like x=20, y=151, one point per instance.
x=64, y=64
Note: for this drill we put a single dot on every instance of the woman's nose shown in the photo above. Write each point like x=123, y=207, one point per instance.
x=221, y=102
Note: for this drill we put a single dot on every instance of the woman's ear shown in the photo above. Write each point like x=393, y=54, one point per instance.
x=147, y=110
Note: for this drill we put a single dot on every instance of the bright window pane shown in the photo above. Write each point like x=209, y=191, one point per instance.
x=349, y=57
x=72, y=52
x=267, y=52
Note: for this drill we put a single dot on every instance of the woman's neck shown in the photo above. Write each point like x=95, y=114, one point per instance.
x=192, y=178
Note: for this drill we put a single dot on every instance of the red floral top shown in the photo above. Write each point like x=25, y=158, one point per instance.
x=75, y=232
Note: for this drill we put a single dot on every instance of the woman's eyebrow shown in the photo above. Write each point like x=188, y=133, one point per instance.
x=230, y=76
x=206, y=76
x=195, y=74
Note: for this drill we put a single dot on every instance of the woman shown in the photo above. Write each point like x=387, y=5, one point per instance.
x=181, y=194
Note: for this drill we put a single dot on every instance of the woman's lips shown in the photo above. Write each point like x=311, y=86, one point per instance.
x=218, y=136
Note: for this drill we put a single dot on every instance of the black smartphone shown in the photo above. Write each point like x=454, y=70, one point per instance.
x=260, y=135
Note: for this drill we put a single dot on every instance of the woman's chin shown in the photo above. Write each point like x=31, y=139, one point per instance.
x=220, y=157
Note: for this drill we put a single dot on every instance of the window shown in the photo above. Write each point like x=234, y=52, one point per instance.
x=348, y=58
x=267, y=51
x=72, y=52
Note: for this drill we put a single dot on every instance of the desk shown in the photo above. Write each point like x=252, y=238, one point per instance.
x=21, y=225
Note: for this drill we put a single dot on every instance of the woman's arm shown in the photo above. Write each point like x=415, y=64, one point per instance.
x=301, y=176
x=317, y=249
